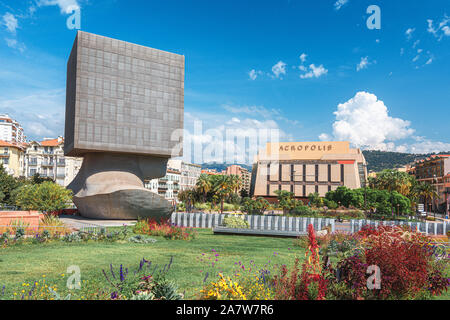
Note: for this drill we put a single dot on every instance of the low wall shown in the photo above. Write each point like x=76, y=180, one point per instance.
x=30, y=218
x=429, y=228
x=256, y=222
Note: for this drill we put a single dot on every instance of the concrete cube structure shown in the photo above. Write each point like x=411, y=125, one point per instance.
x=122, y=97
x=124, y=115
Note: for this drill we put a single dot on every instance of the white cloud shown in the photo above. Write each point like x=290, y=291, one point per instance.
x=363, y=64
x=303, y=57
x=10, y=22
x=13, y=43
x=279, y=69
x=441, y=29
x=340, y=3
x=315, y=72
x=409, y=32
x=429, y=61
x=66, y=6
x=446, y=30
x=415, y=43
x=260, y=111
x=27, y=110
x=416, y=58
x=365, y=122
x=253, y=74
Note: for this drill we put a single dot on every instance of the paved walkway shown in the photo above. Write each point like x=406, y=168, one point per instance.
x=80, y=222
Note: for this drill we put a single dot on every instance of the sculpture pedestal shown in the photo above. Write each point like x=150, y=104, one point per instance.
x=111, y=186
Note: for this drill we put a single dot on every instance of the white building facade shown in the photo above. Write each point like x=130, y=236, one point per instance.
x=11, y=130
x=47, y=159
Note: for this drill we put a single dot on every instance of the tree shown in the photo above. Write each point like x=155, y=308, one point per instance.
x=47, y=196
x=7, y=185
x=426, y=191
x=204, y=185
x=285, y=200
x=258, y=206
x=188, y=196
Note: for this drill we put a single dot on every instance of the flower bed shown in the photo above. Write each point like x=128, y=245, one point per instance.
x=164, y=229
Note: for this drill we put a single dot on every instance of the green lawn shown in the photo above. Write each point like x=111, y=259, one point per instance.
x=27, y=263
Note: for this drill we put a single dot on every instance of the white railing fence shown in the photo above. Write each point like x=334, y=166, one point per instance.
x=256, y=222
x=429, y=228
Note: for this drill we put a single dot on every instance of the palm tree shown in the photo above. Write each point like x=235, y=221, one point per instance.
x=427, y=191
x=204, y=185
x=222, y=187
x=235, y=182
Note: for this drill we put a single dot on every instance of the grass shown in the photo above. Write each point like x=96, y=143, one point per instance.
x=27, y=263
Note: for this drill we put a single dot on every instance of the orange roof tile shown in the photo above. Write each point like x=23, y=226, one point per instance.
x=51, y=143
x=9, y=144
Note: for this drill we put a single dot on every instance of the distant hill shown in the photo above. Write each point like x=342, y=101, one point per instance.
x=380, y=160
x=221, y=166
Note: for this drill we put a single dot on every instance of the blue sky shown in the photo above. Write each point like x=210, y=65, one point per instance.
x=311, y=69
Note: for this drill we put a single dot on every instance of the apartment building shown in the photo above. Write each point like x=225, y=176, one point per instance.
x=189, y=173
x=243, y=173
x=435, y=170
x=12, y=158
x=167, y=186
x=47, y=158
x=11, y=130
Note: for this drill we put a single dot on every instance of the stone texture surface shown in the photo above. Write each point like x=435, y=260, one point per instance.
x=124, y=115
x=110, y=186
x=123, y=97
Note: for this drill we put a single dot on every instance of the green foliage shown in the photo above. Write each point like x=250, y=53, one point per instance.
x=315, y=199
x=235, y=222
x=258, y=206
x=381, y=201
x=285, y=200
x=47, y=196
x=7, y=186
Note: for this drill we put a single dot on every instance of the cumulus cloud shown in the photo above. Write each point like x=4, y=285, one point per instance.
x=219, y=138
x=365, y=122
x=10, y=22
x=66, y=6
x=279, y=69
x=314, y=72
x=363, y=64
x=340, y=3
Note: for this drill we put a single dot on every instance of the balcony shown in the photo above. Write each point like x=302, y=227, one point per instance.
x=47, y=163
x=61, y=163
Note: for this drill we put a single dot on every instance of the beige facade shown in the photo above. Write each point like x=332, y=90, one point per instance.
x=12, y=158
x=47, y=159
x=307, y=167
x=243, y=173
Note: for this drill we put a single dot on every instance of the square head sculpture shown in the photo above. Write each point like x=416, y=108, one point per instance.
x=123, y=98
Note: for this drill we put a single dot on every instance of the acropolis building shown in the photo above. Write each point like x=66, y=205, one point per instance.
x=307, y=167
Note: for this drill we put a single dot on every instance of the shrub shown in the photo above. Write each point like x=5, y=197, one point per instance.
x=235, y=223
x=302, y=210
x=405, y=260
x=164, y=229
x=142, y=284
x=258, y=206
x=310, y=283
x=47, y=196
